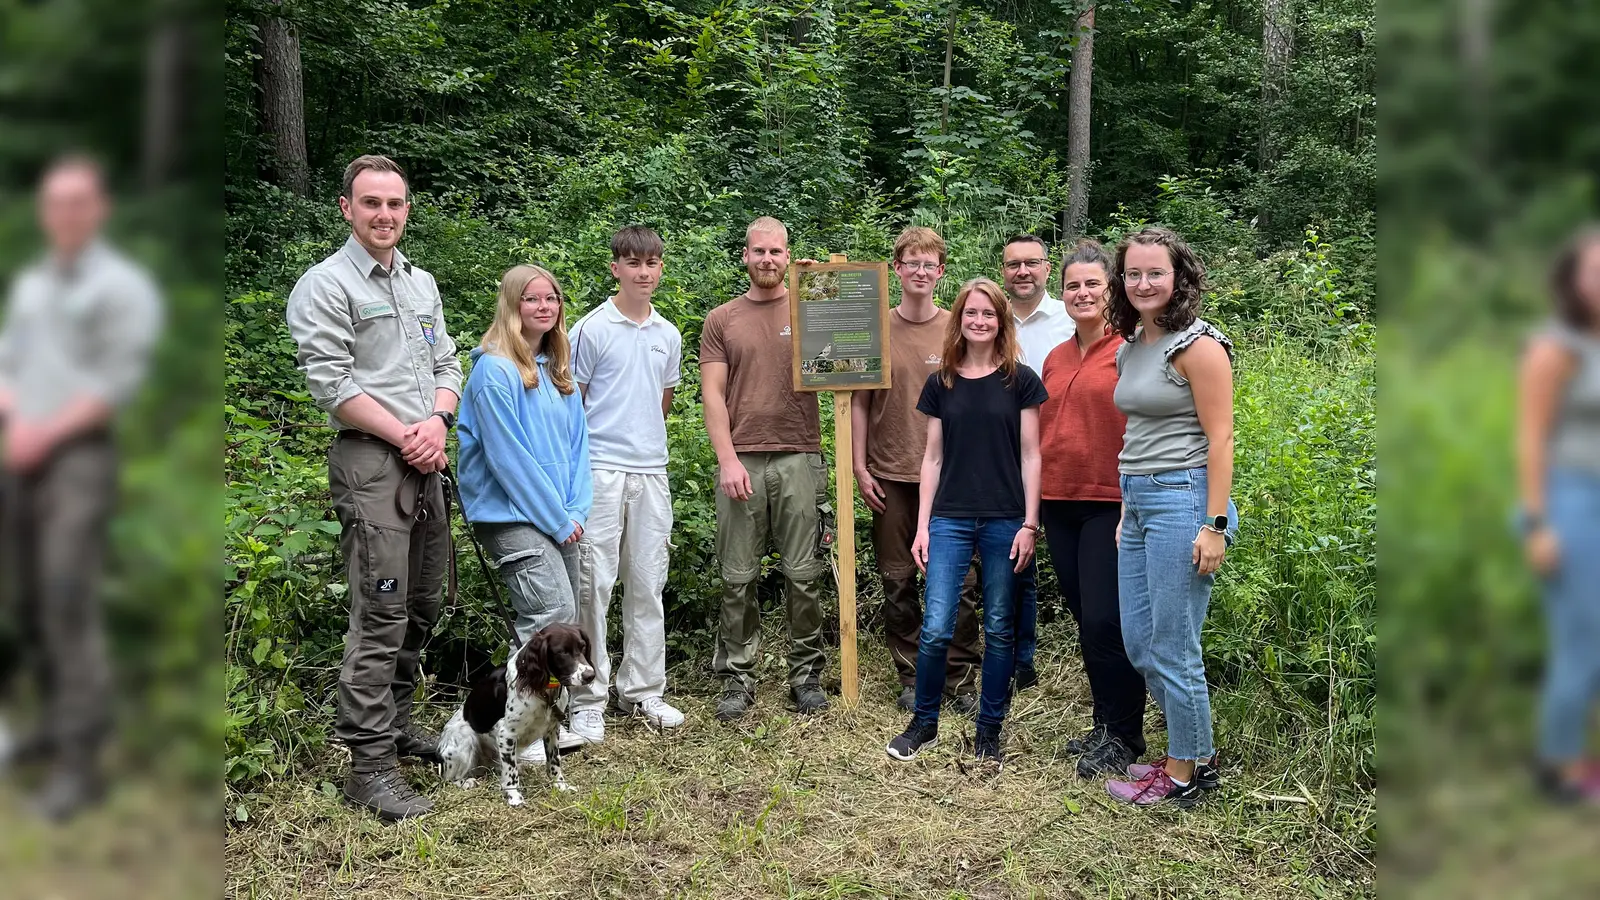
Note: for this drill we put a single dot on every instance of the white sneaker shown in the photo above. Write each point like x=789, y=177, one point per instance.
x=659, y=713
x=589, y=726
x=533, y=754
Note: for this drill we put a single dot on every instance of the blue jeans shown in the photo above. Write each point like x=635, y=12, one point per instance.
x=951, y=543
x=1572, y=610
x=1164, y=599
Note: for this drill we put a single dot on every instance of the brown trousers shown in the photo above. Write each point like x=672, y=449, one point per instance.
x=893, y=530
x=395, y=534
x=55, y=547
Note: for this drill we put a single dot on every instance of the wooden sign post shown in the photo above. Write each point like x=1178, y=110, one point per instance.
x=839, y=316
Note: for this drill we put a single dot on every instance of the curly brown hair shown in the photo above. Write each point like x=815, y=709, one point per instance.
x=1188, y=283
x=1571, y=305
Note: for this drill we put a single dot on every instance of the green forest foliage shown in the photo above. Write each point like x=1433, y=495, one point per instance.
x=533, y=130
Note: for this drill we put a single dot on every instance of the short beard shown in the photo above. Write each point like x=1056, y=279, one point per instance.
x=760, y=279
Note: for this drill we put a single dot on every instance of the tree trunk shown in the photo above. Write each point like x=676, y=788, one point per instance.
x=163, y=103
x=1277, y=50
x=1080, y=81
x=949, y=55
x=283, y=103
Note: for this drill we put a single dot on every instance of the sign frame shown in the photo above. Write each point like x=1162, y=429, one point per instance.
x=838, y=263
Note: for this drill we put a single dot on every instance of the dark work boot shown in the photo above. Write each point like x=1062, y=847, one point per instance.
x=735, y=702
x=808, y=698
x=70, y=790
x=416, y=743
x=386, y=793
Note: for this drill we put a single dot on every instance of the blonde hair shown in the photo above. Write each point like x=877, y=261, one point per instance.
x=1006, y=348
x=767, y=225
x=504, y=337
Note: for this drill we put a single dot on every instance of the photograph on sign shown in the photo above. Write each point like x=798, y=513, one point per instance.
x=839, y=321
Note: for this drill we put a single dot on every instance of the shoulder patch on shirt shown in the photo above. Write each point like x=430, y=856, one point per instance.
x=785, y=332
x=427, y=327
x=934, y=359
x=373, y=310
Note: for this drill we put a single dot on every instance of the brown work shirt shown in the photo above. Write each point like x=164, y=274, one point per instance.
x=897, y=434
x=765, y=412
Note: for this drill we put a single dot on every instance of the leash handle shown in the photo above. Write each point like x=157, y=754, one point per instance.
x=452, y=490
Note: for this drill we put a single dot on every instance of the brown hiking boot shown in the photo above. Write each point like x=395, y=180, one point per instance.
x=386, y=793
x=414, y=742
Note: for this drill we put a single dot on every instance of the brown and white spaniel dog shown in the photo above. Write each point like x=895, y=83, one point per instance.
x=515, y=704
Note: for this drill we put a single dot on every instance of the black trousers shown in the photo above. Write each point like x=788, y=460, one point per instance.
x=1081, y=538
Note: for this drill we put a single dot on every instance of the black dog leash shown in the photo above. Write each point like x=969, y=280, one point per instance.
x=452, y=490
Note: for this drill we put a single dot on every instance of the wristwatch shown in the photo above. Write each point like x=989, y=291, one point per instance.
x=1038, y=530
x=449, y=418
x=1219, y=524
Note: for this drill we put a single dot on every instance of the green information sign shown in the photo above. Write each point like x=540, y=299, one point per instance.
x=839, y=312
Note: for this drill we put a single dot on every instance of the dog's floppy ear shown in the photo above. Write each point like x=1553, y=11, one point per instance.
x=487, y=702
x=588, y=648
x=533, y=663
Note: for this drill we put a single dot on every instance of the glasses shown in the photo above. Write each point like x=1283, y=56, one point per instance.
x=1154, y=276
x=553, y=299
x=1015, y=265
x=915, y=267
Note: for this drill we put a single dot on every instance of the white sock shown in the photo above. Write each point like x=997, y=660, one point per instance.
x=1181, y=784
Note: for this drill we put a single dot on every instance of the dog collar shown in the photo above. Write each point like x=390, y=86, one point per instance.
x=552, y=685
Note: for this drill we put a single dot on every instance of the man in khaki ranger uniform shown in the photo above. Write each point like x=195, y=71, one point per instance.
x=80, y=325
x=370, y=327
x=770, y=476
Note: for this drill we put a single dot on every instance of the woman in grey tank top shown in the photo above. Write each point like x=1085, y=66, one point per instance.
x=1558, y=469
x=1175, y=385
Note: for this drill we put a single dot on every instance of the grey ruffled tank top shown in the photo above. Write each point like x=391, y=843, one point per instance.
x=1164, y=432
x=1575, y=442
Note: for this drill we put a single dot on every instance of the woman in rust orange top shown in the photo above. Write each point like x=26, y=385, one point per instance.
x=1080, y=436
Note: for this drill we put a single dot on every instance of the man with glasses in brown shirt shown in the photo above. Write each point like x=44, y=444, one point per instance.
x=771, y=480
x=372, y=342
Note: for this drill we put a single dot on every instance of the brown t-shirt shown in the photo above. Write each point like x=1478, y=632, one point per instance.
x=896, y=433
x=765, y=411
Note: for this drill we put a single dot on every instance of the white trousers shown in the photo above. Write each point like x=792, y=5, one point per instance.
x=626, y=535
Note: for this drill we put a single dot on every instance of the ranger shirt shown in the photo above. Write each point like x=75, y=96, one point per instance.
x=364, y=329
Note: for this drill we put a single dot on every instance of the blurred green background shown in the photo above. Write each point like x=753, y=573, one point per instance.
x=1490, y=145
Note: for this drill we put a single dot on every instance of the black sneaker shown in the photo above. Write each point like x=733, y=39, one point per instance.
x=1026, y=677
x=735, y=702
x=1205, y=774
x=1078, y=746
x=915, y=739
x=963, y=704
x=908, y=698
x=808, y=698
x=988, y=747
x=1110, y=757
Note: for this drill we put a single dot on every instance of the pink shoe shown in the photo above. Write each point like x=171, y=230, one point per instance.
x=1156, y=787
x=1205, y=772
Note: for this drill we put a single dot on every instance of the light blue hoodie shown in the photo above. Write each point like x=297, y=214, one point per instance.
x=524, y=451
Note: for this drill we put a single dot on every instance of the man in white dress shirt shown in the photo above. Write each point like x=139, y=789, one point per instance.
x=1042, y=323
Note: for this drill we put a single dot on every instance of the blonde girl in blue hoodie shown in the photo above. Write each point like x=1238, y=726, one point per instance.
x=524, y=469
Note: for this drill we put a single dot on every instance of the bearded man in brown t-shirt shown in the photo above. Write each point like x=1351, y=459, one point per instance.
x=771, y=480
x=890, y=437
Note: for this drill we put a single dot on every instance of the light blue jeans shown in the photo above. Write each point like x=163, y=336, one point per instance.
x=1164, y=599
x=1572, y=612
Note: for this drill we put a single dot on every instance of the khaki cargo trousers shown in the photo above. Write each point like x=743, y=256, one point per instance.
x=55, y=540
x=788, y=494
x=395, y=534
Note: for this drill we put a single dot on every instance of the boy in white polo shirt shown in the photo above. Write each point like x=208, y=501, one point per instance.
x=625, y=358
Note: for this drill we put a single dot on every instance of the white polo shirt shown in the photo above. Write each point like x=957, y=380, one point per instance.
x=626, y=366
x=1040, y=332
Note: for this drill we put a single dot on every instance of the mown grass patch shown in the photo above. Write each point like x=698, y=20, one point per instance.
x=781, y=806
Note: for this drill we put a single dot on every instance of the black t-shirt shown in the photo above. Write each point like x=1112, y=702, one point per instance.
x=981, y=428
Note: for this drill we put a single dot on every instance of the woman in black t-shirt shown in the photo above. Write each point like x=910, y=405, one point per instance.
x=980, y=490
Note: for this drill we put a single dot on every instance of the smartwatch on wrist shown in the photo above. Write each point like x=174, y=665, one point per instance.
x=1219, y=524
x=449, y=418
